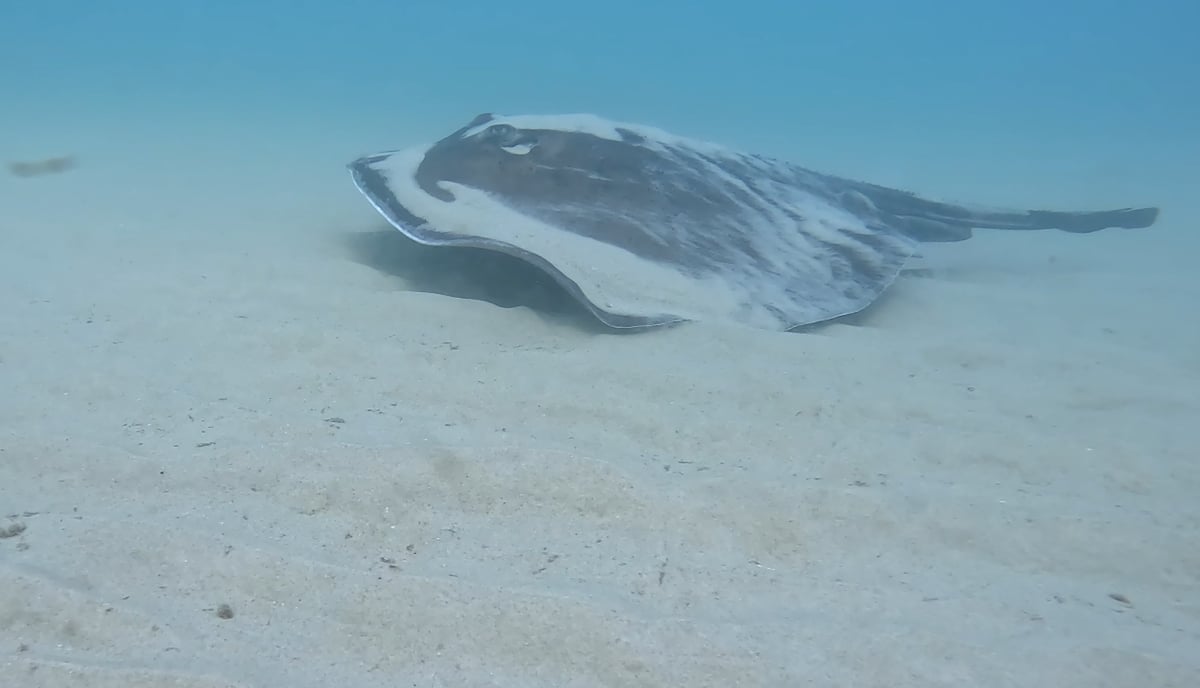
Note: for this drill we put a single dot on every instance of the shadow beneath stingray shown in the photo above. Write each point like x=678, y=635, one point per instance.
x=508, y=282
x=472, y=273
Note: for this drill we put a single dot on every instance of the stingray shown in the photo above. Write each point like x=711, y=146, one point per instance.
x=648, y=228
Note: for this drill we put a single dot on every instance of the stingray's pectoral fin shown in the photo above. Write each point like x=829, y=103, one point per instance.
x=1084, y=222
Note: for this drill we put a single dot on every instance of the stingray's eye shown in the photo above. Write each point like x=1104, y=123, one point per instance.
x=503, y=134
x=510, y=139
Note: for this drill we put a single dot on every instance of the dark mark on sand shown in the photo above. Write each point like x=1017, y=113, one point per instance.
x=12, y=530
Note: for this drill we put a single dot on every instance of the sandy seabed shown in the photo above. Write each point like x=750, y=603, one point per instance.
x=236, y=449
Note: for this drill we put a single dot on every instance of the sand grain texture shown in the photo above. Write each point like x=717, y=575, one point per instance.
x=989, y=480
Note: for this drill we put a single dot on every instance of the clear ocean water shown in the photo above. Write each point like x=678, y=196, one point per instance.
x=1084, y=92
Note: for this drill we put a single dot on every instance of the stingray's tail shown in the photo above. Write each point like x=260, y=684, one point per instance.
x=1076, y=222
x=940, y=222
x=926, y=220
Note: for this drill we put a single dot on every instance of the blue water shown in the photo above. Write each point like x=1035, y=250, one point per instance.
x=823, y=75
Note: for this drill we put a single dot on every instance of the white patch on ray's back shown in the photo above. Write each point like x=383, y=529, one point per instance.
x=610, y=277
x=796, y=271
x=825, y=222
